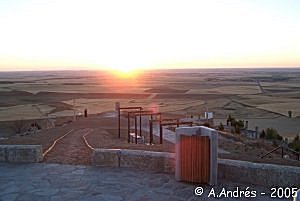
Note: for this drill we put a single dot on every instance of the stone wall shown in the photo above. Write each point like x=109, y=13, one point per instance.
x=138, y=159
x=148, y=160
x=258, y=173
x=21, y=153
x=230, y=170
x=106, y=157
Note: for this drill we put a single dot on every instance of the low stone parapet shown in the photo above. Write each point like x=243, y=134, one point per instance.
x=21, y=153
x=228, y=170
x=138, y=159
x=258, y=173
x=148, y=160
x=106, y=157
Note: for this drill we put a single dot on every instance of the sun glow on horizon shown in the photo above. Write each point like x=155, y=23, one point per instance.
x=125, y=72
x=124, y=69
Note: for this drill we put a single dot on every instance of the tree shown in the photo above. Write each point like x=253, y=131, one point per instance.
x=272, y=134
x=236, y=124
x=262, y=134
x=230, y=119
x=240, y=123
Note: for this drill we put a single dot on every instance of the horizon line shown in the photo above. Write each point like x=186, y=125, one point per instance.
x=149, y=69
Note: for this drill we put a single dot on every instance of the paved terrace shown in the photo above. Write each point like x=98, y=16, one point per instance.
x=54, y=182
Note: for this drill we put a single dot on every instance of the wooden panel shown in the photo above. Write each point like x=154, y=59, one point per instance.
x=195, y=158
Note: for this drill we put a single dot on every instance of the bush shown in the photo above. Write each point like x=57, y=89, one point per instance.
x=221, y=127
x=295, y=144
x=262, y=134
x=271, y=133
x=237, y=129
x=279, y=137
x=240, y=124
x=206, y=124
x=236, y=124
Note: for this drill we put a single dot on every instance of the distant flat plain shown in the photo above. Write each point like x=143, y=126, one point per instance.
x=261, y=96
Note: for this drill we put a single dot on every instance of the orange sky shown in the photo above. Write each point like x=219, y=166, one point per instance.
x=126, y=35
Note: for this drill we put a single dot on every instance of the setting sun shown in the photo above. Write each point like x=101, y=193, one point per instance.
x=124, y=72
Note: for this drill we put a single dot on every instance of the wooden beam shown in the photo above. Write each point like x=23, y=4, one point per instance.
x=177, y=123
x=144, y=113
x=151, y=132
x=130, y=108
x=128, y=128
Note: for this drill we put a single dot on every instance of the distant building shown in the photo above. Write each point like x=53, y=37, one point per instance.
x=250, y=133
x=208, y=115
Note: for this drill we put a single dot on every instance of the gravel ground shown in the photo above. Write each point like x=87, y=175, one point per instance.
x=70, y=150
x=104, y=134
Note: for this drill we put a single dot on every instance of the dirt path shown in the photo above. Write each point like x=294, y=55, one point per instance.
x=71, y=149
x=152, y=96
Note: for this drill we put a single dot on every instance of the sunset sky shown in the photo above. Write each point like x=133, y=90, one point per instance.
x=130, y=34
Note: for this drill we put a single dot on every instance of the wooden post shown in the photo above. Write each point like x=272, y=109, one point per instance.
x=281, y=152
x=151, y=132
x=119, y=122
x=160, y=134
x=135, y=129
x=140, y=125
x=128, y=117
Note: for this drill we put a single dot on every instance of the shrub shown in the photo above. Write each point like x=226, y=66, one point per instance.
x=221, y=127
x=262, y=134
x=236, y=124
x=295, y=144
x=271, y=133
x=206, y=124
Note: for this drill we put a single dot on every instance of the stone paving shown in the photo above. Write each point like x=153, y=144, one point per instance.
x=56, y=182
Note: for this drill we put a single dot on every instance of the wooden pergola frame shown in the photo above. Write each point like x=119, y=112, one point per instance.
x=119, y=116
x=165, y=122
x=140, y=114
x=138, y=111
